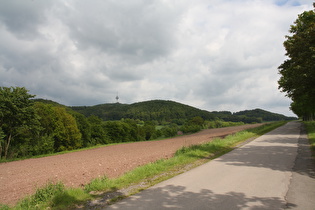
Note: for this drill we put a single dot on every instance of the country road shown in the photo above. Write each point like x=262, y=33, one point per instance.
x=275, y=171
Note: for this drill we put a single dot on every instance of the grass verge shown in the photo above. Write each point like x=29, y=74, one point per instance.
x=310, y=128
x=56, y=196
x=52, y=196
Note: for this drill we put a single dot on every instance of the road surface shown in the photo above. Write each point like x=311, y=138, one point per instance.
x=275, y=171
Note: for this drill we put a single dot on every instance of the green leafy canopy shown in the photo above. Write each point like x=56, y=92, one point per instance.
x=298, y=71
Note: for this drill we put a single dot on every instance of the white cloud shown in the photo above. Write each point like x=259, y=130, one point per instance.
x=217, y=55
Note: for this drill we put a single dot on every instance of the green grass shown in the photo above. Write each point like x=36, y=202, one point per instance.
x=56, y=196
x=310, y=127
x=42, y=197
x=52, y=196
x=69, y=198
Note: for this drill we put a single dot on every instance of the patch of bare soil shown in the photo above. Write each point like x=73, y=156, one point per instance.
x=21, y=178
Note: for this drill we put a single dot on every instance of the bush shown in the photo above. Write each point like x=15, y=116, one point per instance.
x=44, y=145
x=190, y=128
x=221, y=124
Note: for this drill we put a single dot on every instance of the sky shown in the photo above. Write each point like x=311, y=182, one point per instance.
x=211, y=54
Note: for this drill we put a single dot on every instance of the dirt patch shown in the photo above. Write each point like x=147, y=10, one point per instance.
x=21, y=178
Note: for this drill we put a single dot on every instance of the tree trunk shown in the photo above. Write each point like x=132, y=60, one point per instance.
x=7, y=146
x=309, y=117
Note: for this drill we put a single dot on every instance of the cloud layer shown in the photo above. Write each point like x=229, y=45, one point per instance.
x=215, y=55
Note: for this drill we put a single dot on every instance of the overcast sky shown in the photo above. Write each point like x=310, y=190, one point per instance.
x=211, y=54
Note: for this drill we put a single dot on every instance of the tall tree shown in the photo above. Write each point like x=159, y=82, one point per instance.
x=84, y=126
x=2, y=136
x=66, y=133
x=58, y=125
x=298, y=71
x=98, y=133
x=17, y=115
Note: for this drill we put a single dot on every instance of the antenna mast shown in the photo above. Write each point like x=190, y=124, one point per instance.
x=117, y=98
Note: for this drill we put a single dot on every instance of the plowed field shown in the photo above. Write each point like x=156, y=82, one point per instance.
x=20, y=178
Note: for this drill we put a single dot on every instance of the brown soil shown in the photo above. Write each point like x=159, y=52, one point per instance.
x=21, y=178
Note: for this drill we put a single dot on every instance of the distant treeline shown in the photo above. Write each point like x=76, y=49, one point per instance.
x=170, y=111
x=31, y=127
x=252, y=116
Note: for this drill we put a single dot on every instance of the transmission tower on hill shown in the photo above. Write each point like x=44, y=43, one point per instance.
x=117, y=98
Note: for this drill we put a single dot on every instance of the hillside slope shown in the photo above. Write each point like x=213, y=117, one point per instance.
x=162, y=110
x=159, y=110
x=264, y=115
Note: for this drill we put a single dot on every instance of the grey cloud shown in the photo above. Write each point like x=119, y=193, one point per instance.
x=137, y=30
x=22, y=18
x=25, y=61
x=80, y=52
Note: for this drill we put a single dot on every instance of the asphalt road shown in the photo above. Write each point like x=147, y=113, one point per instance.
x=275, y=171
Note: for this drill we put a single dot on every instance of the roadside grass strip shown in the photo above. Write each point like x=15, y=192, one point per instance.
x=57, y=196
x=310, y=127
x=52, y=196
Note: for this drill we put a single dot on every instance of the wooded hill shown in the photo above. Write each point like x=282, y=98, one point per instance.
x=155, y=110
x=170, y=111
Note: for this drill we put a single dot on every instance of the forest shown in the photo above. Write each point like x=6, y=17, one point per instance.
x=31, y=127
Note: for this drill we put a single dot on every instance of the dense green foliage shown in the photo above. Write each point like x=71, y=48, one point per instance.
x=36, y=127
x=60, y=126
x=17, y=118
x=298, y=71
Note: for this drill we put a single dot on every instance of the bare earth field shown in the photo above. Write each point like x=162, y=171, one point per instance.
x=21, y=178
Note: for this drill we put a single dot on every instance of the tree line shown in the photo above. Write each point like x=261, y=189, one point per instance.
x=31, y=127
